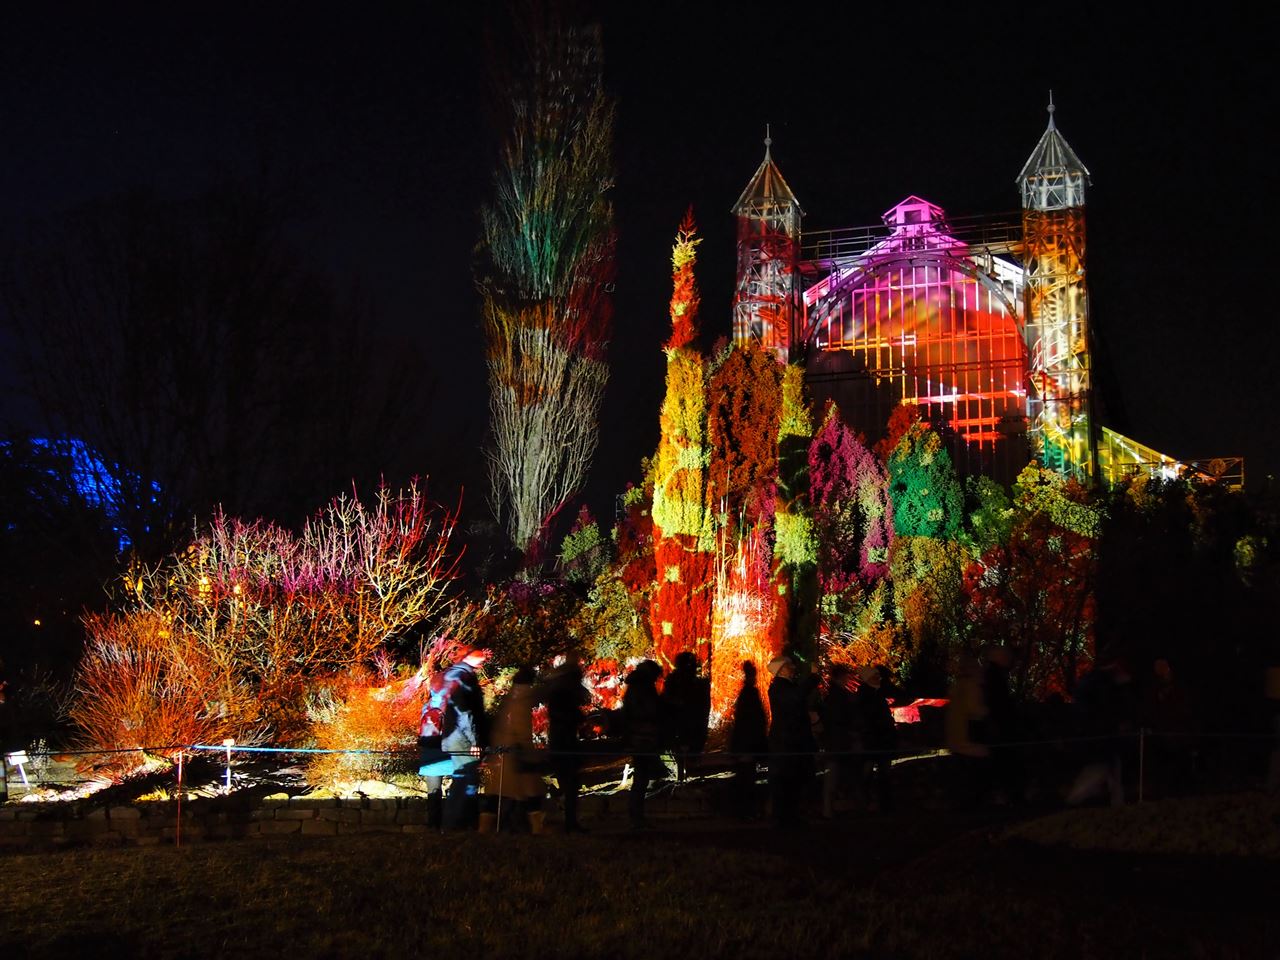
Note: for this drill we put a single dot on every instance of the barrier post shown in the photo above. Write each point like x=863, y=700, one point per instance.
x=228, y=743
x=1142, y=757
x=4, y=781
x=502, y=770
x=177, y=828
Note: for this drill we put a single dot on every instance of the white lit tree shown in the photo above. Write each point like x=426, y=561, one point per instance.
x=546, y=265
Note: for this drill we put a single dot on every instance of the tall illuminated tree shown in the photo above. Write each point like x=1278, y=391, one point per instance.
x=852, y=507
x=744, y=424
x=744, y=407
x=546, y=262
x=684, y=541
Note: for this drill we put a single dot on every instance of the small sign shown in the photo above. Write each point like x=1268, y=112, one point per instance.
x=18, y=759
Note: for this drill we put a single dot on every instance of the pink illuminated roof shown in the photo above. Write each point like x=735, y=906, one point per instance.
x=912, y=210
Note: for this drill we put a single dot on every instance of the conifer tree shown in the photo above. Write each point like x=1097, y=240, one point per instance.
x=927, y=498
x=852, y=508
x=680, y=612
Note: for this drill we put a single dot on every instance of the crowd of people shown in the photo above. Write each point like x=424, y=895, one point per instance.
x=455, y=735
x=842, y=726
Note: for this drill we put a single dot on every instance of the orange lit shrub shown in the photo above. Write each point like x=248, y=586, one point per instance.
x=143, y=686
x=230, y=635
x=374, y=713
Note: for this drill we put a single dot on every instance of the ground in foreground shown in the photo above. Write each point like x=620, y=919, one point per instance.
x=875, y=887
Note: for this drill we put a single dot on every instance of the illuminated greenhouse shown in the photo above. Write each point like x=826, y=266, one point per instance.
x=982, y=322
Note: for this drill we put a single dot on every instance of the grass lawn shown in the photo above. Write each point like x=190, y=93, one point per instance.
x=1236, y=825
x=912, y=886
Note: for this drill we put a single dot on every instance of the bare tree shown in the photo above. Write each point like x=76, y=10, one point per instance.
x=229, y=634
x=547, y=261
x=188, y=347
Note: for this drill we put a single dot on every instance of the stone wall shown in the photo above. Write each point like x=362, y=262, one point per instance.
x=150, y=823
x=917, y=784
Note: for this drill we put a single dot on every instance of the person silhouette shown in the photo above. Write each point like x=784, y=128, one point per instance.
x=642, y=734
x=748, y=741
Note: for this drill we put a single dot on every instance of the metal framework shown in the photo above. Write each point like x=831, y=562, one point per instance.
x=981, y=321
x=766, y=304
x=982, y=237
x=922, y=317
x=1120, y=458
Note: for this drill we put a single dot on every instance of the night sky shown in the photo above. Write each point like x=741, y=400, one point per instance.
x=376, y=118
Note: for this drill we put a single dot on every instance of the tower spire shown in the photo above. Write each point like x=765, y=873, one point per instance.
x=1053, y=176
x=766, y=306
x=1059, y=394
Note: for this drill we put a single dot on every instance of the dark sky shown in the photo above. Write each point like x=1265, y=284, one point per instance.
x=375, y=114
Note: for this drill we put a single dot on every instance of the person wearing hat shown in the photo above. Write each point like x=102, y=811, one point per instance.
x=791, y=743
x=463, y=734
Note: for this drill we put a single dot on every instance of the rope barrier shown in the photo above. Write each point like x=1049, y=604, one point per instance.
x=542, y=759
x=615, y=749
x=592, y=748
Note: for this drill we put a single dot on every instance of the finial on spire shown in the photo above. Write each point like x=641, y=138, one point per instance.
x=768, y=140
x=1051, y=108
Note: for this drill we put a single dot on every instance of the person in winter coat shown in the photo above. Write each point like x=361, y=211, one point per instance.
x=686, y=705
x=966, y=706
x=878, y=734
x=791, y=743
x=565, y=697
x=838, y=731
x=642, y=726
x=1003, y=725
x=508, y=773
x=969, y=758
x=1167, y=712
x=1107, y=708
x=450, y=738
x=748, y=741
